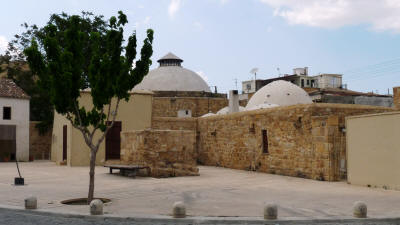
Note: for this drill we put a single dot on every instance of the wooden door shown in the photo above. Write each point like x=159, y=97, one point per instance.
x=113, y=141
x=8, y=148
x=65, y=142
x=265, y=141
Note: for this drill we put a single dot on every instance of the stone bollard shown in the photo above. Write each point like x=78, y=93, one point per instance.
x=31, y=203
x=179, y=210
x=96, y=207
x=360, y=210
x=270, y=211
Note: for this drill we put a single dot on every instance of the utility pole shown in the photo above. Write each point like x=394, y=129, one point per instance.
x=235, y=83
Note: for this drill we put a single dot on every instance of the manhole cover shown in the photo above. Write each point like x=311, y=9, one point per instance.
x=82, y=201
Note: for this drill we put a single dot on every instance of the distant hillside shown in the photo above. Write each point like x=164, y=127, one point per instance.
x=3, y=67
x=4, y=73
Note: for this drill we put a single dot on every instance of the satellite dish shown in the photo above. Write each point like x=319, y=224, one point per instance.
x=254, y=71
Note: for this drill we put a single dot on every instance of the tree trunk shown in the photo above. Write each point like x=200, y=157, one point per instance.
x=91, y=175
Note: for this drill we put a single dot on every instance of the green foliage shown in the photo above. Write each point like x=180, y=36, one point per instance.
x=72, y=53
x=40, y=109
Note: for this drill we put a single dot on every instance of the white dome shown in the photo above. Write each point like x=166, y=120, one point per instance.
x=262, y=106
x=208, y=114
x=280, y=93
x=171, y=76
x=225, y=110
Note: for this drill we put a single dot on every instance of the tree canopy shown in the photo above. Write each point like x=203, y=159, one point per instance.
x=73, y=53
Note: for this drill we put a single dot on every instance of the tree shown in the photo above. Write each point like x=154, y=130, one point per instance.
x=78, y=52
x=15, y=67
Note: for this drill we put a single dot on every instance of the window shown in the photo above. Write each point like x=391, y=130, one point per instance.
x=184, y=113
x=248, y=86
x=333, y=82
x=265, y=141
x=302, y=82
x=6, y=113
x=308, y=82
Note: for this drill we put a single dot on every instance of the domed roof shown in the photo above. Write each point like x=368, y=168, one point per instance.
x=208, y=114
x=262, y=106
x=280, y=93
x=171, y=76
x=225, y=110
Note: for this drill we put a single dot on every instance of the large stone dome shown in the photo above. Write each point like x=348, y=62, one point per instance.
x=279, y=93
x=171, y=76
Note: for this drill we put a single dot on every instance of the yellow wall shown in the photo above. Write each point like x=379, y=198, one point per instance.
x=135, y=115
x=57, y=138
x=373, y=143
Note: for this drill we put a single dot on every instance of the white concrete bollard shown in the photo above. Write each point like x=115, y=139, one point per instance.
x=270, y=211
x=96, y=207
x=360, y=210
x=31, y=203
x=179, y=210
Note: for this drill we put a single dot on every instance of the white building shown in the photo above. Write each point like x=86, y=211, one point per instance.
x=14, y=122
x=327, y=80
x=300, y=77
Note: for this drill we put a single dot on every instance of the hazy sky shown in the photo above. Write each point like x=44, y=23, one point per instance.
x=224, y=39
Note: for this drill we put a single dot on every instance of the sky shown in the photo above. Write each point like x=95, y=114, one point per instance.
x=222, y=40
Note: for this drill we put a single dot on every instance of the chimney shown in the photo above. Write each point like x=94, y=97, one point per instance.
x=396, y=97
x=233, y=101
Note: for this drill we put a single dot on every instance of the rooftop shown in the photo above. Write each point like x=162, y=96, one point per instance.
x=9, y=89
x=170, y=56
x=171, y=76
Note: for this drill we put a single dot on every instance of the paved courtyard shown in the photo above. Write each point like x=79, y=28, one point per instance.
x=216, y=192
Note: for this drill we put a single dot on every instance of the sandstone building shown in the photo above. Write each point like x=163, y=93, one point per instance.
x=180, y=92
x=281, y=131
x=168, y=91
x=174, y=121
x=68, y=146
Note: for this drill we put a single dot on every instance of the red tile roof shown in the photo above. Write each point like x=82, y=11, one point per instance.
x=10, y=90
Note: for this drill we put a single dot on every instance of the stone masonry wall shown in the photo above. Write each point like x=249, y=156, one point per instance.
x=168, y=153
x=174, y=123
x=39, y=145
x=396, y=97
x=303, y=140
x=169, y=106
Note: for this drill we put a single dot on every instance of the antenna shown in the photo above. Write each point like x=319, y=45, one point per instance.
x=254, y=71
x=235, y=83
x=279, y=71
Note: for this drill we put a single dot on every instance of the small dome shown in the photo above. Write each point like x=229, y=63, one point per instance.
x=280, y=93
x=171, y=76
x=208, y=114
x=225, y=110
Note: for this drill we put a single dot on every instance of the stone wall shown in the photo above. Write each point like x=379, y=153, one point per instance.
x=374, y=100
x=396, y=97
x=39, y=145
x=168, y=153
x=174, y=123
x=169, y=106
x=303, y=140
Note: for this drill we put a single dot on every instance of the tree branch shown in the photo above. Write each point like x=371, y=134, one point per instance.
x=83, y=130
x=97, y=126
x=77, y=112
x=114, y=114
x=109, y=110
